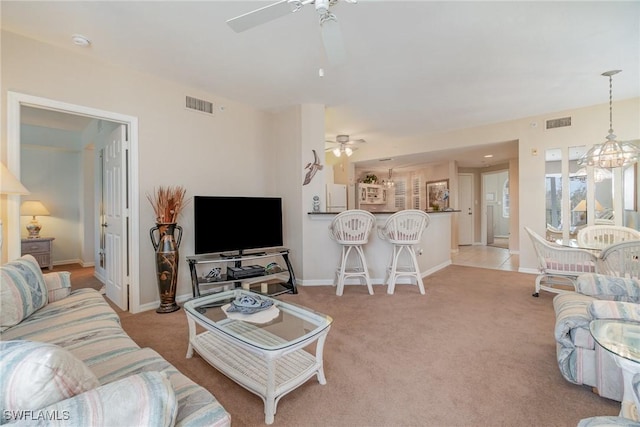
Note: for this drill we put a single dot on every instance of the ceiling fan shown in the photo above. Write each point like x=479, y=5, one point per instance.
x=346, y=145
x=331, y=34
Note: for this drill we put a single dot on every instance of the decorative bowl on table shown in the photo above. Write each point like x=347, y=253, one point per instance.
x=249, y=304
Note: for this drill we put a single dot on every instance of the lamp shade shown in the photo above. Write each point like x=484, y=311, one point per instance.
x=9, y=184
x=33, y=208
x=582, y=206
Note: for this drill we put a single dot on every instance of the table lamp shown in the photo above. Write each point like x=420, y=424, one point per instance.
x=33, y=208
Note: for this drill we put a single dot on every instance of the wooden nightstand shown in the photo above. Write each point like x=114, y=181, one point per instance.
x=40, y=248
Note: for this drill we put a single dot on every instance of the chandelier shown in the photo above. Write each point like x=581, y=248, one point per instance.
x=599, y=174
x=611, y=153
x=389, y=181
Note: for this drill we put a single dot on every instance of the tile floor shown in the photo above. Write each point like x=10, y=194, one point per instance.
x=492, y=257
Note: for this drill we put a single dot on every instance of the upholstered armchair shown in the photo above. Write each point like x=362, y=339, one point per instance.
x=580, y=359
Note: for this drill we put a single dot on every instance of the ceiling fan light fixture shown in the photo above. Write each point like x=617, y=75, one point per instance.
x=348, y=151
x=336, y=152
x=611, y=153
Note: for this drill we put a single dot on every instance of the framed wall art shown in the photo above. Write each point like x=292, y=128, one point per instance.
x=438, y=195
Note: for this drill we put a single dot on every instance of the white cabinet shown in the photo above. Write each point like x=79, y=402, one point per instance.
x=372, y=194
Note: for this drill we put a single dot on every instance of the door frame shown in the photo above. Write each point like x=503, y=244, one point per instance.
x=15, y=100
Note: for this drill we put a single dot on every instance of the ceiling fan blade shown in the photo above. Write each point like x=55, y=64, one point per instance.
x=355, y=141
x=332, y=39
x=260, y=16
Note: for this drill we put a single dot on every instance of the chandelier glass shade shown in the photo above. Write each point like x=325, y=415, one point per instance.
x=599, y=174
x=389, y=181
x=611, y=153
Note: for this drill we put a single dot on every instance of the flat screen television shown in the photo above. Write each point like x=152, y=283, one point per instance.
x=236, y=224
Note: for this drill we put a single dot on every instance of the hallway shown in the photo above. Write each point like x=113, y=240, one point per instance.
x=492, y=257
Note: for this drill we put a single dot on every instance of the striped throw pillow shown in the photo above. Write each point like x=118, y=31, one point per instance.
x=35, y=375
x=22, y=290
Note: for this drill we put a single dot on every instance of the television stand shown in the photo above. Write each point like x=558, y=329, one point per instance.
x=242, y=254
x=209, y=273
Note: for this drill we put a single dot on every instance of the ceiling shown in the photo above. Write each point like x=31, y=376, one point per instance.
x=414, y=68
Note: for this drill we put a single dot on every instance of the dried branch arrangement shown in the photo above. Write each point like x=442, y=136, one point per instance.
x=167, y=203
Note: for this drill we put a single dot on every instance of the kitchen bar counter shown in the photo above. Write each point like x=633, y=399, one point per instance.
x=433, y=251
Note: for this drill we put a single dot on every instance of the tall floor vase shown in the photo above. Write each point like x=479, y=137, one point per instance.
x=167, y=257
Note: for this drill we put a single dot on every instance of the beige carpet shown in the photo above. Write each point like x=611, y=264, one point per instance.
x=476, y=350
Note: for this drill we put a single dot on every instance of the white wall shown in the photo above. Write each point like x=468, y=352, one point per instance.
x=235, y=151
x=589, y=126
x=228, y=154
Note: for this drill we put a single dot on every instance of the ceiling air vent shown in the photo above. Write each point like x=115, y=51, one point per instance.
x=199, y=105
x=558, y=123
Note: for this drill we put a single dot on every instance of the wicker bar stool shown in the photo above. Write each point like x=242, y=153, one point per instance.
x=351, y=230
x=403, y=230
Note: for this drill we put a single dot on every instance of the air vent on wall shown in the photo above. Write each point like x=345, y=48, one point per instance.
x=199, y=105
x=558, y=123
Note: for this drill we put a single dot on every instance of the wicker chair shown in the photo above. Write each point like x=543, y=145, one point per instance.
x=403, y=230
x=601, y=236
x=559, y=265
x=621, y=260
x=351, y=230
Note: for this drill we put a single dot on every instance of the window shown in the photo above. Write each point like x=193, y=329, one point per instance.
x=415, y=184
x=401, y=194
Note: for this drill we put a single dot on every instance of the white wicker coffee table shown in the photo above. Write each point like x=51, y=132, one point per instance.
x=267, y=358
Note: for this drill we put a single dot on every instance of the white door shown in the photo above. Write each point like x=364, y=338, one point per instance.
x=115, y=212
x=465, y=201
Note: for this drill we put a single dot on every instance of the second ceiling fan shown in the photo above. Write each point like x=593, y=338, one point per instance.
x=346, y=145
x=331, y=34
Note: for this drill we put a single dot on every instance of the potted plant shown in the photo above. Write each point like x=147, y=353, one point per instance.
x=370, y=179
x=168, y=203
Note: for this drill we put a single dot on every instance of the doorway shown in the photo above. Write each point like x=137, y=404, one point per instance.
x=495, y=208
x=130, y=245
x=466, y=202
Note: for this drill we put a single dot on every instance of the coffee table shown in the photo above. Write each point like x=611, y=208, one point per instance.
x=267, y=357
x=622, y=338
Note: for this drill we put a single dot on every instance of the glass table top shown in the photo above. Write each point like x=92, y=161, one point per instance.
x=620, y=337
x=286, y=324
x=573, y=243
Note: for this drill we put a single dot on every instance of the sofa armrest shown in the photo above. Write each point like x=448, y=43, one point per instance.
x=571, y=312
x=146, y=399
x=615, y=310
x=58, y=285
x=609, y=287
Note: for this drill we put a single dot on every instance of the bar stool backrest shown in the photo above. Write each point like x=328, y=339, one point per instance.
x=405, y=227
x=352, y=227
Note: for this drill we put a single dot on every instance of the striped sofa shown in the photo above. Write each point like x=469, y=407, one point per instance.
x=580, y=359
x=42, y=320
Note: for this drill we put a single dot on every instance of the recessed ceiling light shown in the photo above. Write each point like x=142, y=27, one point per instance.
x=80, y=40
x=488, y=156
